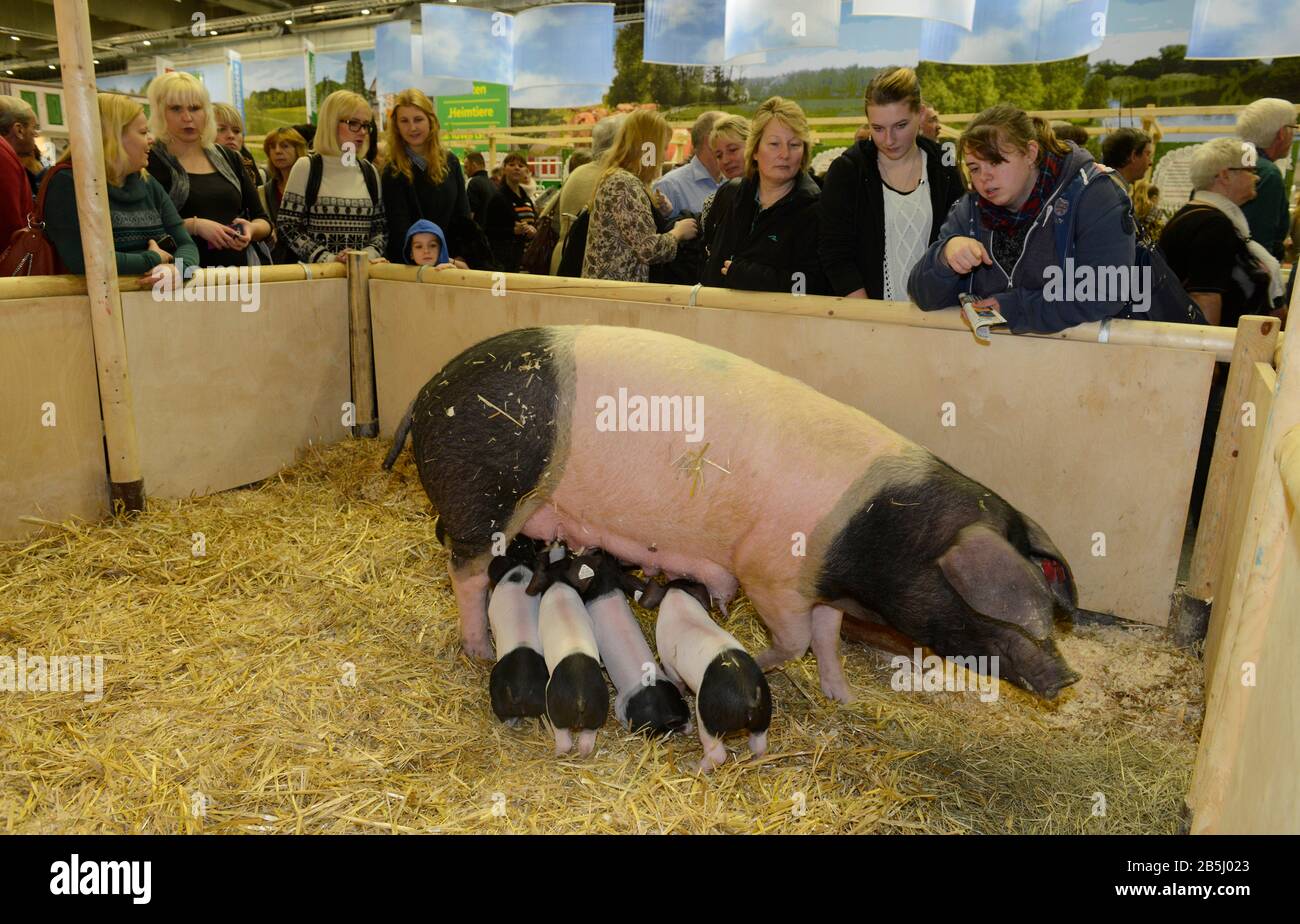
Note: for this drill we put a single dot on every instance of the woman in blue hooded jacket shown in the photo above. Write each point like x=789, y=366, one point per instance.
x=1000, y=241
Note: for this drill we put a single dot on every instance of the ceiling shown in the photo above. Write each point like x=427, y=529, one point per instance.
x=123, y=29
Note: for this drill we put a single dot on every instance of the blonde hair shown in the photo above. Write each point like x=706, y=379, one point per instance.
x=1004, y=125
x=897, y=85
x=341, y=104
x=227, y=113
x=641, y=128
x=179, y=88
x=116, y=113
x=788, y=113
x=397, y=156
x=732, y=126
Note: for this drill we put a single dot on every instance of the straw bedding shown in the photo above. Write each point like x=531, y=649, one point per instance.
x=304, y=676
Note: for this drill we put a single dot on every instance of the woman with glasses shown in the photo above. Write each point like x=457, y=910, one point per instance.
x=331, y=200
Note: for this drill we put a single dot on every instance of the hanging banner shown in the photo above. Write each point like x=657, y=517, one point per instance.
x=309, y=61
x=689, y=33
x=235, y=81
x=773, y=25
x=1018, y=32
x=1236, y=29
x=162, y=65
x=570, y=45
x=470, y=44
x=959, y=13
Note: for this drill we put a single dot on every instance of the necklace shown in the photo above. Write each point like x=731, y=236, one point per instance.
x=902, y=176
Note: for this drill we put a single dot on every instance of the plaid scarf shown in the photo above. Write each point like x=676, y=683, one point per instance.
x=997, y=218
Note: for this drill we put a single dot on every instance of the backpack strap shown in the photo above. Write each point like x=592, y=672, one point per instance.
x=316, y=163
x=1066, y=207
x=37, y=217
x=372, y=181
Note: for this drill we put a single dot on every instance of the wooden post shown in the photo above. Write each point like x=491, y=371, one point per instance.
x=362, y=346
x=492, y=151
x=1255, y=339
x=126, y=480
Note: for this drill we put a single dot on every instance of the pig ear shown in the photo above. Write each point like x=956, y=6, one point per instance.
x=582, y=571
x=1041, y=546
x=543, y=575
x=997, y=581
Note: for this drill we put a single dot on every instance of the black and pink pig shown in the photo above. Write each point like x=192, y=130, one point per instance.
x=812, y=506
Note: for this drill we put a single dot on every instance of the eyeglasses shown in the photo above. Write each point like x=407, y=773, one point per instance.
x=356, y=125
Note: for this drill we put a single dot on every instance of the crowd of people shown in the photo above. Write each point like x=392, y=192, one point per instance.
x=898, y=215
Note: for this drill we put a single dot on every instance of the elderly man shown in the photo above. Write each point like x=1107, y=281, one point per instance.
x=1269, y=125
x=690, y=184
x=17, y=141
x=577, y=190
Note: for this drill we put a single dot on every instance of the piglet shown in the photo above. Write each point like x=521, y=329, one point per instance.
x=576, y=694
x=645, y=702
x=517, y=686
x=731, y=693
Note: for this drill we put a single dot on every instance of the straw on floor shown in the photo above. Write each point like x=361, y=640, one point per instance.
x=303, y=675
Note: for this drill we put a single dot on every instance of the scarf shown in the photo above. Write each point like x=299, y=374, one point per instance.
x=1276, y=288
x=178, y=189
x=421, y=163
x=998, y=218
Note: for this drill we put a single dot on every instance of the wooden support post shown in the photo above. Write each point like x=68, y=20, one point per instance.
x=362, y=347
x=492, y=151
x=126, y=481
x=1256, y=337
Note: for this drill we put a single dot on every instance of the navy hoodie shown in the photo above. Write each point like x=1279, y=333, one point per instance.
x=1103, y=237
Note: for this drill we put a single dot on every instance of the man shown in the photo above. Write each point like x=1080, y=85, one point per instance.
x=480, y=189
x=929, y=122
x=18, y=127
x=690, y=184
x=1269, y=125
x=577, y=190
x=1128, y=151
x=15, y=187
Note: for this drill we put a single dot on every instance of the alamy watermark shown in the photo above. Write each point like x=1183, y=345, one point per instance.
x=54, y=674
x=1130, y=285
x=933, y=674
x=651, y=414
x=214, y=284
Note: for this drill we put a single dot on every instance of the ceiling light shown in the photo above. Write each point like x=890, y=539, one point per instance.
x=146, y=42
x=8, y=71
x=50, y=66
x=365, y=12
x=15, y=38
x=96, y=60
x=288, y=22
x=213, y=32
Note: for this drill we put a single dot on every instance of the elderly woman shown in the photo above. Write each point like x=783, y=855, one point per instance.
x=1208, y=244
x=766, y=227
x=149, y=238
x=205, y=181
x=331, y=201
x=283, y=147
x=622, y=238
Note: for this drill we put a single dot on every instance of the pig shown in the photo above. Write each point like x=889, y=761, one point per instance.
x=814, y=507
x=645, y=702
x=731, y=693
x=517, y=687
x=576, y=694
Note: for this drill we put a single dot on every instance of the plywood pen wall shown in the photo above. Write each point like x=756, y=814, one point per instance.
x=1098, y=442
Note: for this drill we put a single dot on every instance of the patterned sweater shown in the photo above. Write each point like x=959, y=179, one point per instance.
x=621, y=238
x=342, y=218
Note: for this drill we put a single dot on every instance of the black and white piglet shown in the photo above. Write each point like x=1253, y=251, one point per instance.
x=576, y=694
x=645, y=700
x=731, y=693
x=517, y=687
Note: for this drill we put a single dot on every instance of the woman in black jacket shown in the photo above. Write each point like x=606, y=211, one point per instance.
x=886, y=197
x=422, y=179
x=765, y=225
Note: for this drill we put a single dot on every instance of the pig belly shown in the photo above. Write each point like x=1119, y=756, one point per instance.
x=688, y=639
x=622, y=644
x=564, y=626
x=773, y=458
x=513, y=617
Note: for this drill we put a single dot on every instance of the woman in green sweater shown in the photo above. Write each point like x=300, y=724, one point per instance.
x=148, y=235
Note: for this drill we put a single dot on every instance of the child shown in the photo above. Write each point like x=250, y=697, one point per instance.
x=427, y=246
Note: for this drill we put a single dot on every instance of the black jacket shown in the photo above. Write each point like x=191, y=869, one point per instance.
x=765, y=248
x=444, y=204
x=853, y=215
x=480, y=190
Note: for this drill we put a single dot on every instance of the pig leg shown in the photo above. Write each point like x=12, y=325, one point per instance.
x=758, y=744
x=787, y=616
x=563, y=741
x=586, y=741
x=826, y=648
x=470, y=582
x=715, y=752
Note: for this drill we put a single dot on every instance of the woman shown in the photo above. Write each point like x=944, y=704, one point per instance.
x=622, y=239
x=727, y=140
x=283, y=147
x=148, y=234
x=230, y=135
x=999, y=241
x=511, y=216
x=206, y=182
x=885, y=198
x=1146, y=209
x=422, y=179
x=765, y=230
x=1208, y=244
x=342, y=210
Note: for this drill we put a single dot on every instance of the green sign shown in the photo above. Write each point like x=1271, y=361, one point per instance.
x=464, y=119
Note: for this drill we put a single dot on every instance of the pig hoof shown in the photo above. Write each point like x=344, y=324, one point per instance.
x=837, y=690
x=769, y=658
x=482, y=650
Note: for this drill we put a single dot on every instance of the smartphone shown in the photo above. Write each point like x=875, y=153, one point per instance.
x=167, y=243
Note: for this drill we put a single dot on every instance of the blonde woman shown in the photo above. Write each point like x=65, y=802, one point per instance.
x=421, y=178
x=230, y=135
x=622, y=240
x=206, y=182
x=331, y=201
x=727, y=141
x=149, y=237
x=766, y=224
